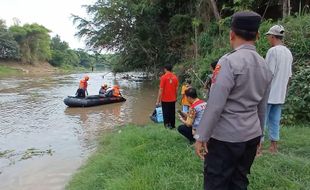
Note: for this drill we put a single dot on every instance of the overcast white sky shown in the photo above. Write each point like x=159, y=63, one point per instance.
x=53, y=14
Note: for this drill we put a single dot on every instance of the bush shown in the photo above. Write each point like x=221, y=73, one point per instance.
x=297, y=107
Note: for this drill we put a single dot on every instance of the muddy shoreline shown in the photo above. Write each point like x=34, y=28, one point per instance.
x=43, y=68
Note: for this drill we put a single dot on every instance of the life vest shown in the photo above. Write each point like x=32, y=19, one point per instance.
x=116, y=91
x=83, y=84
x=199, y=107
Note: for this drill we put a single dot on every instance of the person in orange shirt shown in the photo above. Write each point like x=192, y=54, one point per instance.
x=113, y=91
x=116, y=91
x=167, y=96
x=184, y=102
x=82, y=91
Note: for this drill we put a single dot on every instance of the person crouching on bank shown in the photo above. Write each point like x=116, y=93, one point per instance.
x=191, y=119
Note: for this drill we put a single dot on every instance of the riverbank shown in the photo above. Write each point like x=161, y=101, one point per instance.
x=152, y=157
x=12, y=68
x=15, y=67
x=7, y=71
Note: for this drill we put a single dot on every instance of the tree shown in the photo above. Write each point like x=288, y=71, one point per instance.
x=8, y=46
x=34, y=42
x=215, y=10
x=61, y=53
x=145, y=34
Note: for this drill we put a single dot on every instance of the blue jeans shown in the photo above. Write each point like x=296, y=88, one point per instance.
x=272, y=121
x=185, y=109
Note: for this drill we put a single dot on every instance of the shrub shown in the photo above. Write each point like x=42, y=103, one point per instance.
x=297, y=107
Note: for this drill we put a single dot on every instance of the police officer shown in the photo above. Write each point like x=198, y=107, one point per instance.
x=230, y=130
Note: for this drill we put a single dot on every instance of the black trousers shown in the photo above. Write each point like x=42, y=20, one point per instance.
x=227, y=164
x=80, y=93
x=186, y=132
x=169, y=113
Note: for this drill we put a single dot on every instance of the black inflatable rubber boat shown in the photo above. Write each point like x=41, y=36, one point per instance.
x=93, y=100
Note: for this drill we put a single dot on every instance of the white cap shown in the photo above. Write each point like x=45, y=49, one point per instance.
x=277, y=30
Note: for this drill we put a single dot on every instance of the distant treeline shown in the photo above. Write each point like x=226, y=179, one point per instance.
x=31, y=43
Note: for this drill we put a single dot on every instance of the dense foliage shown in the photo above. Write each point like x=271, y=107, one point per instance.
x=9, y=48
x=145, y=34
x=31, y=43
x=34, y=42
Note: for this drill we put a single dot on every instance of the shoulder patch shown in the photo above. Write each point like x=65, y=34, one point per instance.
x=215, y=73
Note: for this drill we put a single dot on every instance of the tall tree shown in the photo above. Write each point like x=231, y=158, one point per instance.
x=34, y=42
x=62, y=55
x=8, y=46
x=146, y=34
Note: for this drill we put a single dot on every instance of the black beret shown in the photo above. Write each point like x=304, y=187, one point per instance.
x=246, y=20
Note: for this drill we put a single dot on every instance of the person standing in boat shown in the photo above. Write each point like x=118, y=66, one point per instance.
x=82, y=91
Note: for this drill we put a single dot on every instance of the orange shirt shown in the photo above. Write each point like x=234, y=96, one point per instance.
x=184, y=99
x=169, y=85
x=116, y=91
x=83, y=84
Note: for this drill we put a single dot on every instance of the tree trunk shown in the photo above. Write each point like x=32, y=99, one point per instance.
x=215, y=10
x=284, y=8
x=289, y=7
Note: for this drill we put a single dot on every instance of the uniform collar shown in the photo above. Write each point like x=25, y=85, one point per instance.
x=246, y=46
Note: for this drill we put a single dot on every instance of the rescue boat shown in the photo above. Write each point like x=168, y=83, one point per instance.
x=93, y=100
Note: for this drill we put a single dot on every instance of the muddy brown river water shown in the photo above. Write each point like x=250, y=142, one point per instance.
x=43, y=142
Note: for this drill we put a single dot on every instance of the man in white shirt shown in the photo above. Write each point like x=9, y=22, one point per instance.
x=279, y=61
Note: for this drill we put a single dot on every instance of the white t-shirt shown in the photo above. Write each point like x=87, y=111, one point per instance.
x=279, y=60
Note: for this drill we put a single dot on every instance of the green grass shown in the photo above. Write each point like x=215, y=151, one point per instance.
x=151, y=157
x=6, y=71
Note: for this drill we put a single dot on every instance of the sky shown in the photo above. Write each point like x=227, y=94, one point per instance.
x=55, y=15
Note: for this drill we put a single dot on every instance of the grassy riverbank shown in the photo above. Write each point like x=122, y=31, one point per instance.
x=13, y=68
x=152, y=157
x=6, y=71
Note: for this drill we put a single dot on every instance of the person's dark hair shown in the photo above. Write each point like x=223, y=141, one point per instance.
x=191, y=92
x=244, y=34
x=168, y=67
x=214, y=63
x=279, y=37
x=188, y=81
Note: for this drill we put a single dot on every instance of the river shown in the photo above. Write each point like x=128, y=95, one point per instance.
x=43, y=142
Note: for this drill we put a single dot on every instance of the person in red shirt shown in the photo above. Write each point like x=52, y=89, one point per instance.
x=82, y=91
x=167, y=96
